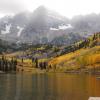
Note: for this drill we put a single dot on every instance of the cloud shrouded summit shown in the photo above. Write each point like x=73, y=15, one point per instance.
x=45, y=25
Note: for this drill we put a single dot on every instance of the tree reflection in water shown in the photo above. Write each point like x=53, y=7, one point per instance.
x=48, y=87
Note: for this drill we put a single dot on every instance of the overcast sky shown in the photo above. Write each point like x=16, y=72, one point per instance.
x=68, y=8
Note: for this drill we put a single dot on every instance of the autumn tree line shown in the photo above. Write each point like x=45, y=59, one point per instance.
x=8, y=65
x=42, y=65
x=87, y=43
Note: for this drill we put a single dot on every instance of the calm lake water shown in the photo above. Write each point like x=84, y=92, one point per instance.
x=48, y=87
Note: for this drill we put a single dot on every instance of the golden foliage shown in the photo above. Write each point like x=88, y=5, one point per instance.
x=82, y=57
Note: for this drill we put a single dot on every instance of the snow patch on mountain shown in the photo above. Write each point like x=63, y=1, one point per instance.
x=54, y=29
x=62, y=27
x=20, y=30
x=7, y=30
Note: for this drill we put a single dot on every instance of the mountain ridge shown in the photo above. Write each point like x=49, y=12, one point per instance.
x=44, y=23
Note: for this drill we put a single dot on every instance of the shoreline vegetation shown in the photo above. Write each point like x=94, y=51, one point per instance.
x=80, y=57
x=80, y=61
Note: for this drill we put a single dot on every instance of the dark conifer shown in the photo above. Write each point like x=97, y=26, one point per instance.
x=44, y=65
x=6, y=65
x=36, y=62
x=15, y=65
x=22, y=60
x=41, y=65
x=12, y=63
x=0, y=65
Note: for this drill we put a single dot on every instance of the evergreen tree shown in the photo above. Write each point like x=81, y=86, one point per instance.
x=41, y=65
x=15, y=65
x=36, y=62
x=6, y=65
x=0, y=64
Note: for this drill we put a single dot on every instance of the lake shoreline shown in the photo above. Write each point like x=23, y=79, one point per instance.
x=37, y=70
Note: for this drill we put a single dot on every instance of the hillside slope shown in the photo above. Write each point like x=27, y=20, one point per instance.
x=86, y=57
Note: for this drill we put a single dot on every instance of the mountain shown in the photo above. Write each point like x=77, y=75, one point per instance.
x=87, y=24
x=12, y=26
x=46, y=26
x=41, y=26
